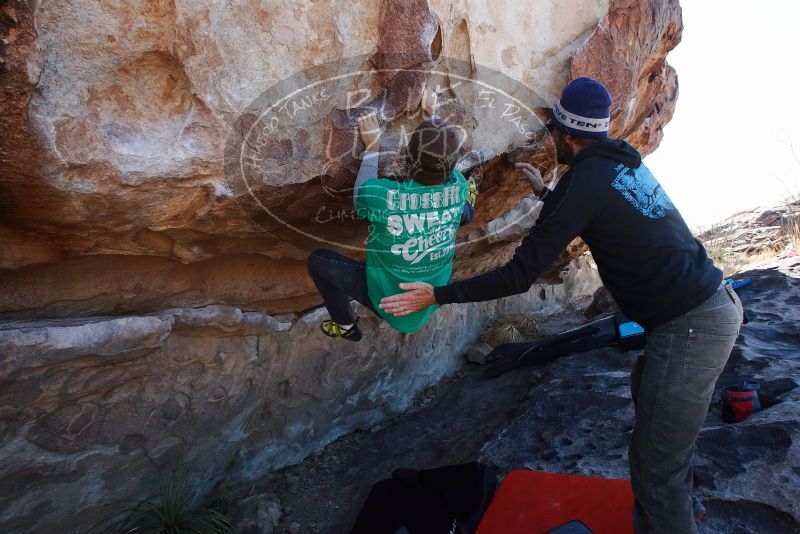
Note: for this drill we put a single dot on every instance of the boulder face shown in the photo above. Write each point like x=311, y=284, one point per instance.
x=89, y=406
x=114, y=177
x=155, y=221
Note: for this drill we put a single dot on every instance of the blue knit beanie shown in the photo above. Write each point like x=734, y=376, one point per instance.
x=584, y=109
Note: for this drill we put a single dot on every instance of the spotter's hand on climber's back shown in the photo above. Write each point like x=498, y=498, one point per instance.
x=412, y=237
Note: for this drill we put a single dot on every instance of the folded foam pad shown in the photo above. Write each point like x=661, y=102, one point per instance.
x=602, y=332
x=529, y=502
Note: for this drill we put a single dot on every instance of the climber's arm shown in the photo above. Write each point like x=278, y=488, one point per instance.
x=370, y=132
x=368, y=170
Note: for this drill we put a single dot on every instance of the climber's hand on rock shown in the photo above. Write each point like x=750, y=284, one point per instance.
x=533, y=175
x=370, y=130
x=428, y=101
x=418, y=296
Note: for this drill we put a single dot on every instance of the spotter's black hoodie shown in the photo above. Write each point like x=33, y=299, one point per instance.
x=646, y=255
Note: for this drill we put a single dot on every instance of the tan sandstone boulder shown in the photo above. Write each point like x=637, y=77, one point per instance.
x=153, y=288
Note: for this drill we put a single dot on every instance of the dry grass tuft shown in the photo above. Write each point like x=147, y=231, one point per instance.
x=501, y=333
x=511, y=329
x=528, y=325
x=792, y=233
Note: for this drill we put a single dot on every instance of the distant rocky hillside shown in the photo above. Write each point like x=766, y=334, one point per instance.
x=755, y=235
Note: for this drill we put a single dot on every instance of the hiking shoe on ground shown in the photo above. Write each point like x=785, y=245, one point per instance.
x=333, y=329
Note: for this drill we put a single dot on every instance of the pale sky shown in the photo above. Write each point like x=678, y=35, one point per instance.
x=728, y=146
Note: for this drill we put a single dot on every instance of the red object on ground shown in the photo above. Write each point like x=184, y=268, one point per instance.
x=529, y=502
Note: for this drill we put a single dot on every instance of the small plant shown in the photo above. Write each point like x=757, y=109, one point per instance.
x=500, y=333
x=169, y=511
x=511, y=329
x=527, y=325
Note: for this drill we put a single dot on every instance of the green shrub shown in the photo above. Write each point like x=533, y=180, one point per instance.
x=169, y=511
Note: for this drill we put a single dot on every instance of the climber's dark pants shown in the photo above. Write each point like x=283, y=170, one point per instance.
x=671, y=385
x=338, y=279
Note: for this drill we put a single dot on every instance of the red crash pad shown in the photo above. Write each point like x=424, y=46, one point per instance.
x=529, y=502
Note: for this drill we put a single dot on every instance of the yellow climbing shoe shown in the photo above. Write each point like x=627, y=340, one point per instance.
x=472, y=192
x=333, y=329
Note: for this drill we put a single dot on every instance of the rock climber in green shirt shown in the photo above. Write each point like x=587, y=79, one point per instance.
x=412, y=226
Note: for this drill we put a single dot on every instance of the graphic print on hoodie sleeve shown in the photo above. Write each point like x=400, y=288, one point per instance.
x=645, y=253
x=641, y=189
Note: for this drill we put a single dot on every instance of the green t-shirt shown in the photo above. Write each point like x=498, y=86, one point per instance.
x=412, y=236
